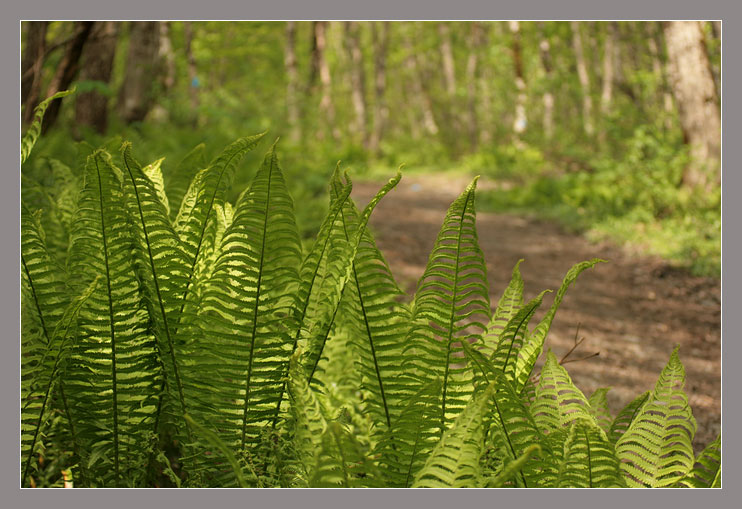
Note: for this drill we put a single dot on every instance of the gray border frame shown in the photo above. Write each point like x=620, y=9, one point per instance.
x=378, y=9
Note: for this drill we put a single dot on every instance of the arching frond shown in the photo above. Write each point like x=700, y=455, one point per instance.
x=656, y=450
x=587, y=459
x=626, y=416
x=34, y=130
x=342, y=462
x=509, y=304
x=599, y=408
x=707, y=470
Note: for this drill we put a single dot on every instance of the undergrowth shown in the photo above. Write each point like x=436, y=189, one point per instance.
x=172, y=337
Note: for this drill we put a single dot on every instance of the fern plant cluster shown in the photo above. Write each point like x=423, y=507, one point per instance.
x=171, y=337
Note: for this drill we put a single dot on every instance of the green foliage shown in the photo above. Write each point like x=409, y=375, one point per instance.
x=206, y=344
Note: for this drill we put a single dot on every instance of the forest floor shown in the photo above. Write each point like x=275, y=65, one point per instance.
x=633, y=310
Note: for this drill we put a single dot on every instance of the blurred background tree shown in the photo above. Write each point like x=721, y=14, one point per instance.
x=610, y=127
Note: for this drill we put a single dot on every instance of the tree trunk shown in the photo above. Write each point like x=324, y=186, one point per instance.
x=136, y=95
x=381, y=112
x=357, y=80
x=664, y=96
x=419, y=93
x=326, y=106
x=472, y=61
x=548, y=97
x=292, y=83
x=484, y=89
x=31, y=64
x=449, y=69
x=91, y=108
x=193, y=83
x=519, y=124
x=587, y=101
x=695, y=94
x=609, y=67
x=66, y=70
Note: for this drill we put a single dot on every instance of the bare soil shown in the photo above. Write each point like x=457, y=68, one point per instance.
x=633, y=310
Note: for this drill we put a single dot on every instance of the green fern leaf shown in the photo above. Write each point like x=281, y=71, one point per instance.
x=153, y=171
x=532, y=349
x=179, y=179
x=451, y=306
x=113, y=372
x=587, y=459
x=558, y=402
x=707, y=470
x=34, y=130
x=455, y=461
x=626, y=416
x=512, y=468
x=657, y=450
x=510, y=302
x=342, y=462
x=599, y=408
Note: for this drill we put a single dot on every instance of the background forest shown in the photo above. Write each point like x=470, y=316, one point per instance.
x=612, y=128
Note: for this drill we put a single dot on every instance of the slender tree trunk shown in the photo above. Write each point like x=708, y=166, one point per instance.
x=326, y=106
x=519, y=124
x=357, y=80
x=472, y=61
x=292, y=83
x=167, y=56
x=136, y=95
x=548, y=97
x=31, y=64
x=609, y=67
x=587, y=101
x=418, y=90
x=484, y=88
x=695, y=94
x=449, y=69
x=381, y=112
x=193, y=83
x=664, y=96
x=91, y=108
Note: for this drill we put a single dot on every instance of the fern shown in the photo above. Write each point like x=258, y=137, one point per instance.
x=587, y=459
x=34, y=130
x=707, y=471
x=656, y=450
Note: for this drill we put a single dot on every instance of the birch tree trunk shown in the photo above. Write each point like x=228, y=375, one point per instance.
x=695, y=94
x=664, y=96
x=475, y=44
x=548, y=97
x=292, y=83
x=380, y=42
x=91, y=108
x=136, y=95
x=587, y=101
x=520, y=121
x=357, y=80
x=326, y=107
x=31, y=63
x=609, y=67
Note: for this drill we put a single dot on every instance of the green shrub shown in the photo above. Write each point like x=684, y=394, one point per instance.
x=173, y=338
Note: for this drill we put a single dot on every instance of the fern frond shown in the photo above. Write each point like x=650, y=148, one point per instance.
x=626, y=416
x=454, y=462
x=657, y=448
x=243, y=340
x=587, y=459
x=509, y=304
x=599, y=408
x=153, y=171
x=512, y=468
x=558, y=402
x=707, y=470
x=179, y=179
x=532, y=349
x=342, y=462
x=113, y=372
x=34, y=130
x=451, y=306
x=40, y=367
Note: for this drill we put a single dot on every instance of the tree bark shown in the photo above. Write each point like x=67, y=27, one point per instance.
x=31, y=64
x=695, y=94
x=357, y=80
x=609, y=54
x=548, y=97
x=380, y=43
x=664, y=96
x=193, y=83
x=136, y=95
x=292, y=83
x=326, y=106
x=91, y=108
x=520, y=121
x=66, y=71
x=449, y=69
x=587, y=101
x=472, y=61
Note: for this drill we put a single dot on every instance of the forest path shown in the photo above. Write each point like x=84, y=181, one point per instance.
x=633, y=310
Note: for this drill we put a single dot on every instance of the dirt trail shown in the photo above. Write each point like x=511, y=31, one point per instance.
x=633, y=310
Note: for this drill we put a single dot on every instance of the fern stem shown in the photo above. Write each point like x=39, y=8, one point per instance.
x=111, y=325
x=171, y=345
x=507, y=437
x=589, y=458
